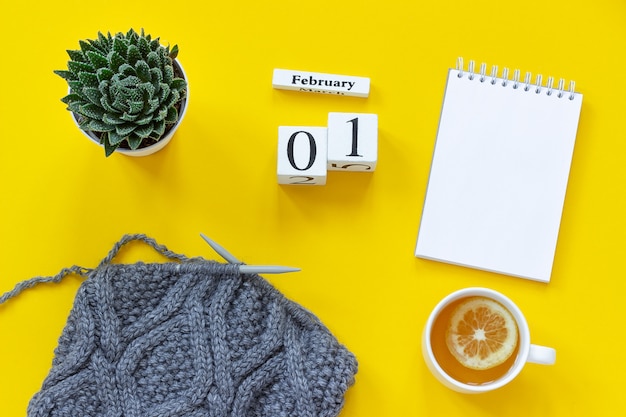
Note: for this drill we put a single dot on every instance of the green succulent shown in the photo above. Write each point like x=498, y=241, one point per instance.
x=123, y=87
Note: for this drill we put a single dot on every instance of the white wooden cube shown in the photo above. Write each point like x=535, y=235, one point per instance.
x=302, y=152
x=317, y=82
x=352, y=142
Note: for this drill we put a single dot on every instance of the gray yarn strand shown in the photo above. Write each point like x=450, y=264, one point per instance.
x=21, y=286
x=162, y=249
x=84, y=272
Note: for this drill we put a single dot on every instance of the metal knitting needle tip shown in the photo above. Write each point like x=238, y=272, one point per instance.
x=247, y=269
x=221, y=251
x=266, y=269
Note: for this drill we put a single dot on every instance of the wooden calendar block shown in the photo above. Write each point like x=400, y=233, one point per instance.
x=352, y=142
x=317, y=82
x=302, y=155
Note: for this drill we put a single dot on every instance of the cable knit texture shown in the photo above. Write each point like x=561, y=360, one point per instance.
x=191, y=338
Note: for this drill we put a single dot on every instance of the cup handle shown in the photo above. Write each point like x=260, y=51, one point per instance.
x=542, y=355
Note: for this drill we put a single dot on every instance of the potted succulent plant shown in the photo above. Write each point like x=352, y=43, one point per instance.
x=127, y=92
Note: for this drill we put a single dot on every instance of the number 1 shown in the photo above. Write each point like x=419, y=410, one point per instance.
x=355, y=134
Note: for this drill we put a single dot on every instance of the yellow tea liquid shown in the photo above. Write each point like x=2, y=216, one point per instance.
x=451, y=365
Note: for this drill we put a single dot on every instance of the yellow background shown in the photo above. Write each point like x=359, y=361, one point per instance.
x=63, y=203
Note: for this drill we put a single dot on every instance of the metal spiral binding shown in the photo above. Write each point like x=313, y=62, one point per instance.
x=537, y=86
x=516, y=79
x=494, y=74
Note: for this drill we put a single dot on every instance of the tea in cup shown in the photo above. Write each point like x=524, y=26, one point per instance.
x=477, y=340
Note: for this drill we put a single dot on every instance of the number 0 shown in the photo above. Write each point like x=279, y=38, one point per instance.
x=312, y=150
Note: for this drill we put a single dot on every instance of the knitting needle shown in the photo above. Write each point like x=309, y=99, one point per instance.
x=247, y=269
x=221, y=251
x=266, y=269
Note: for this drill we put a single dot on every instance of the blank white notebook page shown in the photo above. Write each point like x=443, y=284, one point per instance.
x=499, y=174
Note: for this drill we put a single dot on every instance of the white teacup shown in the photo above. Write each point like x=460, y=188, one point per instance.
x=526, y=352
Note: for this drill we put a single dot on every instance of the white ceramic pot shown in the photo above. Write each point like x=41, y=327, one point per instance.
x=148, y=150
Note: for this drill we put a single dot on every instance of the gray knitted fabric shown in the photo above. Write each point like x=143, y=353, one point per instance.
x=190, y=338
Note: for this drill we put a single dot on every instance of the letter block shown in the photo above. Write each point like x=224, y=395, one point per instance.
x=302, y=155
x=317, y=82
x=352, y=142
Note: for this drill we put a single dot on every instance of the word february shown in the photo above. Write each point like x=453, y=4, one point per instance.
x=315, y=82
x=298, y=80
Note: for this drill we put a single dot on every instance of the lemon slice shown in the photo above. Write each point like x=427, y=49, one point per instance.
x=482, y=333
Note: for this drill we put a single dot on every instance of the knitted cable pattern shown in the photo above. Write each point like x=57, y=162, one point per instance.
x=191, y=338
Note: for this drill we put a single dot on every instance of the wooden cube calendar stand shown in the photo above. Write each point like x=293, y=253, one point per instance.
x=306, y=153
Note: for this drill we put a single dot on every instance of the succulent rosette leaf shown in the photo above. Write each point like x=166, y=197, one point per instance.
x=125, y=88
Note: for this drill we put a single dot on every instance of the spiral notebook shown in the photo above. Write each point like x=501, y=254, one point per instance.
x=499, y=172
